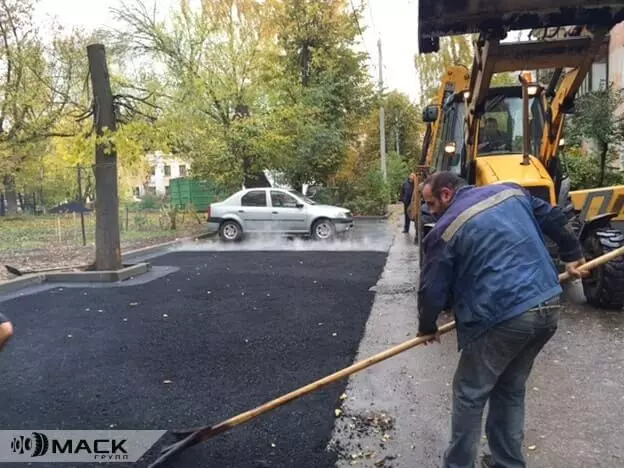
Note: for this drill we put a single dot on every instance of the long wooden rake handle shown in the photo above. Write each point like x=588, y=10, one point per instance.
x=191, y=437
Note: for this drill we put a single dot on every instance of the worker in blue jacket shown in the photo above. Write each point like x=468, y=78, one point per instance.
x=487, y=260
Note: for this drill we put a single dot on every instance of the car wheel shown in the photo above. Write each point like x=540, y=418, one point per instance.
x=230, y=231
x=323, y=229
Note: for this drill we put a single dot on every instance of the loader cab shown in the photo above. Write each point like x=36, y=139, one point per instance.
x=500, y=130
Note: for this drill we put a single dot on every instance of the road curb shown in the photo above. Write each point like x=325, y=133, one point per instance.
x=364, y=218
x=10, y=286
x=111, y=276
x=154, y=248
x=76, y=277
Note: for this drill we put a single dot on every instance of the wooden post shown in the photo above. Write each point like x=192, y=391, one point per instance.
x=107, y=239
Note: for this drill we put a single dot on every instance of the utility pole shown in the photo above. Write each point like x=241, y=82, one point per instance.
x=382, y=117
x=107, y=241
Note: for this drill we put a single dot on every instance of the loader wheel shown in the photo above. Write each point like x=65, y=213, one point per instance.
x=604, y=288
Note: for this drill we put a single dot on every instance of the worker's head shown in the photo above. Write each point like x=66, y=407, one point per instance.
x=439, y=190
x=412, y=177
x=491, y=127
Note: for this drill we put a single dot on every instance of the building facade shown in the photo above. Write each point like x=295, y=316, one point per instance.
x=163, y=167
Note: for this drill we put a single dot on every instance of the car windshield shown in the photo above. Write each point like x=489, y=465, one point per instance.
x=309, y=201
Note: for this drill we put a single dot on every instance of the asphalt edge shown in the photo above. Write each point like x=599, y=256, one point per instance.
x=351, y=447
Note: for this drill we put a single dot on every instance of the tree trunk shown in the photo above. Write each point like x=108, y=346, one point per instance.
x=603, y=165
x=10, y=195
x=107, y=239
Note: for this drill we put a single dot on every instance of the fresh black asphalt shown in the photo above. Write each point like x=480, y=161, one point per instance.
x=227, y=332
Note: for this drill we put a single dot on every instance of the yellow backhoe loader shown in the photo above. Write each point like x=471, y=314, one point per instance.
x=515, y=133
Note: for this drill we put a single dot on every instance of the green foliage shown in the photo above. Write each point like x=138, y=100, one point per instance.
x=150, y=202
x=234, y=86
x=371, y=195
x=324, y=83
x=402, y=118
x=598, y=122
x=585, y=172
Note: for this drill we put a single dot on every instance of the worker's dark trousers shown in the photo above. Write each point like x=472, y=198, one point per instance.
x=408, y=221
x=496, y=366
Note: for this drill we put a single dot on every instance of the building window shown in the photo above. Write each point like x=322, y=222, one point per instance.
x=599, y=76
x=153, y=169
x=183, y=171
x=167, y=171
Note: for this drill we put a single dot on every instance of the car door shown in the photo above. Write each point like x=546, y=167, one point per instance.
x=288, y=213
x=255, y=211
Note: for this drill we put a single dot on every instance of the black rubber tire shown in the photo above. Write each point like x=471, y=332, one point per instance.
x=604, y=288
x=331, y=226
x=228, y=226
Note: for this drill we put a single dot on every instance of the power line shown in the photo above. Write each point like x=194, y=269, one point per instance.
x=372, y=15
x=357, y=23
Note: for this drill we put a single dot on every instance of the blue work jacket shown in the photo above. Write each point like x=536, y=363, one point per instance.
x=487, y=261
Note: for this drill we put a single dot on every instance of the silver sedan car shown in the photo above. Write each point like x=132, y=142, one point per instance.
x=273, y=210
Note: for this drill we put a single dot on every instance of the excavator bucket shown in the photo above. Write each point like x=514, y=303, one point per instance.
x=439, y=18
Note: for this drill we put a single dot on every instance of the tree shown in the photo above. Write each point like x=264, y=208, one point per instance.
x=48, y=169
x=37, y=88
x=212, y=56
x=319, y=76
x=598, y=119
x=584, y=170
x=403, y=120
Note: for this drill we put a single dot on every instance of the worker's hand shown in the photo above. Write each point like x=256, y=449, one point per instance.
x=572, y=269
x=436, y=337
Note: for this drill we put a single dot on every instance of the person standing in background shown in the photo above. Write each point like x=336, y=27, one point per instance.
x=406, y=198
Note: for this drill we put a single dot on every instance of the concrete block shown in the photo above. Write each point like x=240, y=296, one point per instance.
x=98, y=276
x=16, y=284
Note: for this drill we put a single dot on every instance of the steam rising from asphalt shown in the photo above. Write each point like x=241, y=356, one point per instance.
x=368, y=237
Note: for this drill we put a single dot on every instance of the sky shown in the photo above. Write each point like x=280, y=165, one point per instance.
x=395, y=25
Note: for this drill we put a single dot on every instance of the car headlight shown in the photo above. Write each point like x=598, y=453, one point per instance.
x=344, y=214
